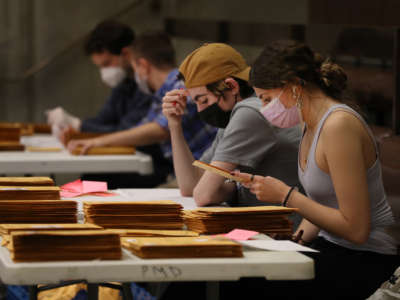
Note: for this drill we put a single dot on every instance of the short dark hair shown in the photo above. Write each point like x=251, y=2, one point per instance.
x=109, y=35
x=156, y=47
x=217, y=88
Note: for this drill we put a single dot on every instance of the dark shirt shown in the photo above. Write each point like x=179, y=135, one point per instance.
x=124, y=109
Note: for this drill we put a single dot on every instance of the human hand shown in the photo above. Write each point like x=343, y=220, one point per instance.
x=60, y=118
x=66, y=134
x=174, y=104
x=266, y=189
x=84, y=145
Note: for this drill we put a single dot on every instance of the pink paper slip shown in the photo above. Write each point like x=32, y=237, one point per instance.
x=93, y=186
x=240, y=234
x=74, y=186
x=79, y=188
x=68, y=194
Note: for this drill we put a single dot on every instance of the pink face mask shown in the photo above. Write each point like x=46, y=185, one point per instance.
x=280, y=116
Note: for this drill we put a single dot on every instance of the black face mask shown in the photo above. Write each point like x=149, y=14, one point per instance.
x=215, y=116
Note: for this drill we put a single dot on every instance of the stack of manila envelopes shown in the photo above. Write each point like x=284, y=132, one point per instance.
x=7, y=229
x=152, y=233
x=264, y=219
x=64, y=245
x=29, y=193
x=165, y=215
x=109, y=150
x=182, y=247
x=26, y=181
x=38, y=211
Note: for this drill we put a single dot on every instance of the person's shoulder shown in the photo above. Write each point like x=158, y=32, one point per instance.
x=341, y=126
x=342, y=121
x=246, y=116
x=249, y=108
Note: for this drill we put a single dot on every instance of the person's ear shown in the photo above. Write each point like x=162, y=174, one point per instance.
x=145, y=65
x=294, y=91
x=232, y=84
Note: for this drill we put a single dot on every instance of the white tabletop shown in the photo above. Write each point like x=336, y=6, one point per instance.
x=13, y=162
x=270, y=264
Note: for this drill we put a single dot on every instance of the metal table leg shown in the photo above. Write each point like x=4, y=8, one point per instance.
x=93, y=291
x=126, y=291
x=33, y=292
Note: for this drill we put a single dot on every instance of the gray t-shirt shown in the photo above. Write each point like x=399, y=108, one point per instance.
x=257, y=147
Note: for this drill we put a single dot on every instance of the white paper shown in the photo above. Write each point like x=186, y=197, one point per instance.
x=42, y=141
x=158, y=194
x=273, y=245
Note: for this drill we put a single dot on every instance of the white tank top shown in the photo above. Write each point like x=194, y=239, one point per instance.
x=319, y=187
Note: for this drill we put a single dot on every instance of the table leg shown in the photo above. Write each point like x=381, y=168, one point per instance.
x=126, y=291
x=33, y=292
x=212, y=290
x=93, y=291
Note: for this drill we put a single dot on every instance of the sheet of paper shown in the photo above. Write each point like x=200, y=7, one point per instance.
x=74, y=186
x=273, y=245
x=158, y=194
x=77, y=188
x=93, y=186
x=68, y=194
x=240, y=234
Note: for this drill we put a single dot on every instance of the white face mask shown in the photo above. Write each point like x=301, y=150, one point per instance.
x=112, y=76
x=142, y=84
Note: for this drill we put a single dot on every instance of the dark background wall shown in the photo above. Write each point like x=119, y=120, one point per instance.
x=47, y=35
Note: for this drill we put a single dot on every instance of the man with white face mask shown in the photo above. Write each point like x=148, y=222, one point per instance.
x=153, y=59
x=107, y=46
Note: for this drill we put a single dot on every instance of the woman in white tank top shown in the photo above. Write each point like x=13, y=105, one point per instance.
x=345, y=210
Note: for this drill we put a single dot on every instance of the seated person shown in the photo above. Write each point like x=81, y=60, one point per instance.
x=216, y=78
x=153, y=59
x=107, y=45
x=346, y=210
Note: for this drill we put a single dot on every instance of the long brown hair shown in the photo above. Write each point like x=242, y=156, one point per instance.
x=285, y=62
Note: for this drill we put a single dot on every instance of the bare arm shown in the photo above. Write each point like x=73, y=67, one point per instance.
x=146, y=134
x=310, y=231
x=212, y=188
x=174, y=103
x=186, y=174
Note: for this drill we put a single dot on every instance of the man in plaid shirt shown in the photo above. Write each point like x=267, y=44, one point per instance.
x=153, y=59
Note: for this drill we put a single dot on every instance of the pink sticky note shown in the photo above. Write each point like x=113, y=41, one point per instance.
x=240, y=234
x=68, y=194
x=94, y=186
x=74, y=186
